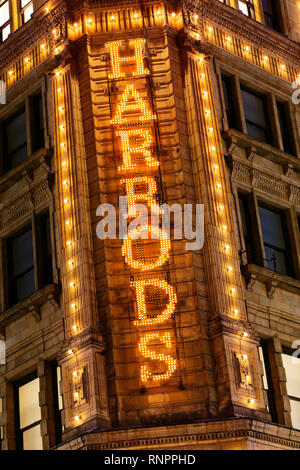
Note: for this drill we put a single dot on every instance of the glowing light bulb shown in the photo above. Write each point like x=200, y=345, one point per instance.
x=221, y=207
x=245, y=334
x=89, y=20
x=66, y=201
x=205, y=92
x=209, y=29
x=59, y=90
x=112, y=18
x=74, y=327
x=282, y=67
x=77, y=418
x=226, y=248
x=73, y=306
x=197, y=37
x=224, y=227
x=202, y=75
x=232, y=290
x=207, y=112
x=53, y=31
x=248, y=378
x=70, y=263
x=228, y=39
x=68, y=222
x=229, y=269
x=247, y=48
x=251, y=401
x=75, y=25
x=196, y=17
x=70, y=351
x=266, y=58
x=75, y=373
x=26, y=60
x=76, y=394
x=47, y=10
x=43, y=46
x=173, y=14
x=69, y=243
x=60, y=108
x=10, y=72
x=135, y=15
x=158, y=12
x=216, y=167
x=72, y=284
x=245, y=356
x=235, y=312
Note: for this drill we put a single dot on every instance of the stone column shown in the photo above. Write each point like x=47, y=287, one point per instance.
x=83, y=379
x=238, y=369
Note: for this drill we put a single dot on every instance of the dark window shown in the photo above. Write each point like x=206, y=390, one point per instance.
x=21, y=266
x=15, y=140
x=276, y=244
x=247, y=228
x=271, y=15
x=229, y=101
x=46, y=250
x=298, y=218
x=37, y=128
x=285, y=127
x=255, y=110
x=28, y=414
x=267, y=380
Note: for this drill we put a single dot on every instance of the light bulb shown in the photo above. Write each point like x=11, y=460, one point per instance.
x=70, y=351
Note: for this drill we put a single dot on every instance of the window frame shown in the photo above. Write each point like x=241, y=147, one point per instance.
x=237, y=83
x=38, y=256
x=29, y=105
x=22, y=11
x=8, y=23
x=18, y=431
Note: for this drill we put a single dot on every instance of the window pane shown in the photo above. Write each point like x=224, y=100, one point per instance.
x=285, y=126
x=32, y=439
x=243, y=8
x=276, y=260
x=27, y=13
x=264, y=377
x=254, y=108
x=24, y=286
x=58, y=377
x=29, y=408
x=24, y=3
x=22, y=253
x=256, y=132
x=4, y=14
x=295, y=413
x=16, y=132
x=271, y=224
x=5, y=32
x=292, y=370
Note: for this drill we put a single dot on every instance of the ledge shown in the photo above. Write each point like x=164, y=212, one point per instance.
x=31, y=304
x=271, y=279
x=40, y=158
x=215, y=433
x=234, y=138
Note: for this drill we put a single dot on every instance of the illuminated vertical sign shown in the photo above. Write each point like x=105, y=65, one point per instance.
x=133, y=122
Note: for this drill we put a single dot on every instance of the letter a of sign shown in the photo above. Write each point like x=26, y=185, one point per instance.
x=132, y=108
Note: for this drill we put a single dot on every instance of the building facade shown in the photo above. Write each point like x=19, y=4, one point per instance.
x=149, y=343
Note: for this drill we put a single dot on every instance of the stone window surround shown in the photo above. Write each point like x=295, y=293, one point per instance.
x=12, y=109
x=236, y=82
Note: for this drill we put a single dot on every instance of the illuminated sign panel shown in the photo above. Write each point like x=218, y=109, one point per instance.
x=133, y=123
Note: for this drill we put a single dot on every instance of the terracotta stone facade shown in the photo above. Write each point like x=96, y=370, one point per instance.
x=85, y=320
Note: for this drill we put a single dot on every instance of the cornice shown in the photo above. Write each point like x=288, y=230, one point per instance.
x=230, y=19
x=191, y=435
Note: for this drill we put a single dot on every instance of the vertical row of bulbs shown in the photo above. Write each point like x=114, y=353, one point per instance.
x=217, y=181
x=225, y=234
x=68, y=240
